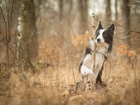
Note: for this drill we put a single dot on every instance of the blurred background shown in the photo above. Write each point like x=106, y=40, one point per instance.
x=61, y=22
x=42, y=42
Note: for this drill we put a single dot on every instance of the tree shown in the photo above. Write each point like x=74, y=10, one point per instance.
x=125, y=8
x=8, y=30
x=8, y=27
x=107, y=14
x=33, y=43
x=26, y=34
x=116, y=12
x=60, y=9
x=83, y=20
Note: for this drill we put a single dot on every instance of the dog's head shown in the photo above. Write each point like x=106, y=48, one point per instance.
x=105, y=35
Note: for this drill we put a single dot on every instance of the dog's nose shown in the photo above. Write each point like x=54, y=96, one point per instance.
x=98, y=40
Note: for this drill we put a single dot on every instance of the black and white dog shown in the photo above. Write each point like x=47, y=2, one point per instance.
x=104, y=41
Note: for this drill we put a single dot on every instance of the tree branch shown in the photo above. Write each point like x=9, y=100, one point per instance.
x=130, y=30
x=94, y=44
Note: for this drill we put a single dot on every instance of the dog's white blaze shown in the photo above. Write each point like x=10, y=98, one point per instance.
x=100, y=36
x=102, y=47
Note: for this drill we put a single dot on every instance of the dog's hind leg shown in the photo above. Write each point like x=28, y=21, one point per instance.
x=99, y=77
x=99, y=81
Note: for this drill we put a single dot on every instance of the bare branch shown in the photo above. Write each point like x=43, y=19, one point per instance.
x=94, y=44
x=130, y=30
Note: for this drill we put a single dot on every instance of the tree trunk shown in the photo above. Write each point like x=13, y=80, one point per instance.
x=25, y=29
x=9, y=18
x=33, y=43
x=60, y=9
x=125, y=8
x=83, y=20
x=116, y=11
x=107, y=15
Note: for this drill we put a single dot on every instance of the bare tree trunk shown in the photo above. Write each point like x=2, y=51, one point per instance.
x=83, y=20
x=116, y=11
x=70, y=6
x=107, y=14
x=33, y=43
x=125, y=8
x=25, y=30
x=60, y=9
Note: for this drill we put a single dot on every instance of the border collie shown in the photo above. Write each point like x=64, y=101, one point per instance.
x=104, y=41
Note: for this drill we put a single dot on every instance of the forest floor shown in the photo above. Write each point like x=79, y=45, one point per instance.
x=53, y=86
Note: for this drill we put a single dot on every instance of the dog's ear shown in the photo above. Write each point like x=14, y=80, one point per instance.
x=99, y=26
x=111, y=28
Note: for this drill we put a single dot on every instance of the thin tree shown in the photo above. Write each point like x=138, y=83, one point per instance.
x=33, y=45
x=125, y=8
x=8, y=13
x=83, y=20
x=116, y=11
x=26, y=29
x=60, y=9
x=107, y=15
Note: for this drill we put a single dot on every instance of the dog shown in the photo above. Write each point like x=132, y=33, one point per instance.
x=104, y=41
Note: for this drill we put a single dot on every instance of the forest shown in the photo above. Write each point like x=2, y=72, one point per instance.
x=42, y=43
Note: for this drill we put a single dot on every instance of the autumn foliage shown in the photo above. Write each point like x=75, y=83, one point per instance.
x=49, y=49
x=123, y=50
x=80, y=39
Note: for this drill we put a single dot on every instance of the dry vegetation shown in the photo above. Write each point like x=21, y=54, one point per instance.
x=56, y=75
x=60, y=50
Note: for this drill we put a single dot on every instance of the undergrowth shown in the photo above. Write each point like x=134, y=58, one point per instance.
x=56, y=75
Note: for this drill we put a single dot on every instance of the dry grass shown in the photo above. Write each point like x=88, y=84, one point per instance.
x=54, y=81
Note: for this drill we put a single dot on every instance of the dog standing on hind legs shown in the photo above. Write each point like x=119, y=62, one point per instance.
x=104, y=41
